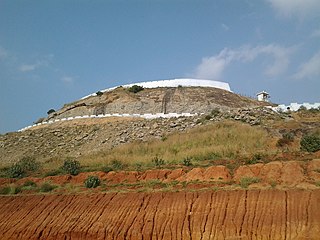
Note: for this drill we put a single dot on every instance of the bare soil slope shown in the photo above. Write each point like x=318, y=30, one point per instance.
x=185, y=215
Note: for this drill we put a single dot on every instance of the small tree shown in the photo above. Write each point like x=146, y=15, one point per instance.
x=51, y=111
x=71, y=166
x=135, y=89
x=310, y=143
x=92, y=182
x=99, y=93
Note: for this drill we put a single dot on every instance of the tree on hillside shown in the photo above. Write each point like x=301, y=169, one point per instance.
x=51, y=111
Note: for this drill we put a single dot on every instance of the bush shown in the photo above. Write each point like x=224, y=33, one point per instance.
x=54, y=172
x=92, y=182
x=135, y=89
x=51, y=111
x=47, y=187
x=117, y=165
x=10, y=190
x=255, y=159
x=29, y=183
x=99, y=93
x=71, y=166
x=15, y=171
x=158, y=162
x=310, y=143
x=5, y=190
x=106, y=169
x=215, y=112
x=23, y=167
x=246, y=181
x=286, y=139
x=29, y=164
x=187, y=161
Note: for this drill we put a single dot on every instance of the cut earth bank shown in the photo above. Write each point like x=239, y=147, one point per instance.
x=238, y=214
x=286, y=209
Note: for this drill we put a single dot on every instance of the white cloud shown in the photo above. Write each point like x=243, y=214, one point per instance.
x=67, y=79
x=32, y=67
x=213, y=67
x=309, y=69
x=298, y=8
x=225, y=27
x=28, y=67
x=3, y=53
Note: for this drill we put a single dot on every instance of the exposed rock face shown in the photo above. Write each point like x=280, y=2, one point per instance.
x=156, y=100
x=241, y=214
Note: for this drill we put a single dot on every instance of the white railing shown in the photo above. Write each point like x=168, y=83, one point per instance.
x=135, y=115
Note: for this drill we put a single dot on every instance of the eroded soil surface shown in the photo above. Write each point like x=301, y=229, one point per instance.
x=240, y=214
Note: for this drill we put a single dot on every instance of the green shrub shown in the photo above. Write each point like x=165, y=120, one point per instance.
x=106, y=169
x=99, y=93
x=286, y=139
x=71, y=166
x=51, y=111
x=92, y=182
x=187, y=161
x=29, y=183
x=15, y=171
x=255, y=159
x=5, y=190
x=158, y=162
x=47, y=187
x=310, y=143
x=246, y=181
x=207, y=117
x=215, y=112
x=117, y=165
x=10, y=190
x=135, y=89
x=54, y=172
x=23, y=167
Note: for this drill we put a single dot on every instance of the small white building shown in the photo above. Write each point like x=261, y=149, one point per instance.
x=263, y=96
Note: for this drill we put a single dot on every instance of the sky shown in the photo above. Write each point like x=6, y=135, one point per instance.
x=55, y=52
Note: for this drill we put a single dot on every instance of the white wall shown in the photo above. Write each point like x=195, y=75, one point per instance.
x=295, y=106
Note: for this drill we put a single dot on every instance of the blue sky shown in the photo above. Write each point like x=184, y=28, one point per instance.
x=55, y=52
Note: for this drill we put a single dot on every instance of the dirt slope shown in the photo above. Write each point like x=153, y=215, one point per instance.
x=239, y=214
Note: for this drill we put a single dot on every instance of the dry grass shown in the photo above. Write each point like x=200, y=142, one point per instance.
x=220, y=140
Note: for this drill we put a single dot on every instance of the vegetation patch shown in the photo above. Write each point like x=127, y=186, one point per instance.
x=71, y=166
x=92, y=182
x=47, y=187
x=23, y=168
x=286, y=139
x=135, y=89
x=246, y=181
x=310, y=143
x=9, y=190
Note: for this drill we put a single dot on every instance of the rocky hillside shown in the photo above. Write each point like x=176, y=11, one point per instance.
x=155, y=100
x=84, y=136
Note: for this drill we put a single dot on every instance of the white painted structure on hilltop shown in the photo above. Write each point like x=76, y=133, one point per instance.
x=295, y=106
x=184, y=82
x=263, y=96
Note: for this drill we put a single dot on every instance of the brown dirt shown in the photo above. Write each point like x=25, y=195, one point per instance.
x=241, y=214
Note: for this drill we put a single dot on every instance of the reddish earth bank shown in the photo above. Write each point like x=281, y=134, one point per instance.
x=292, y=174
x=241, y=214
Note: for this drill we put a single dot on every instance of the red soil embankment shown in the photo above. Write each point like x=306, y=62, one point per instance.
x=241, y=214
